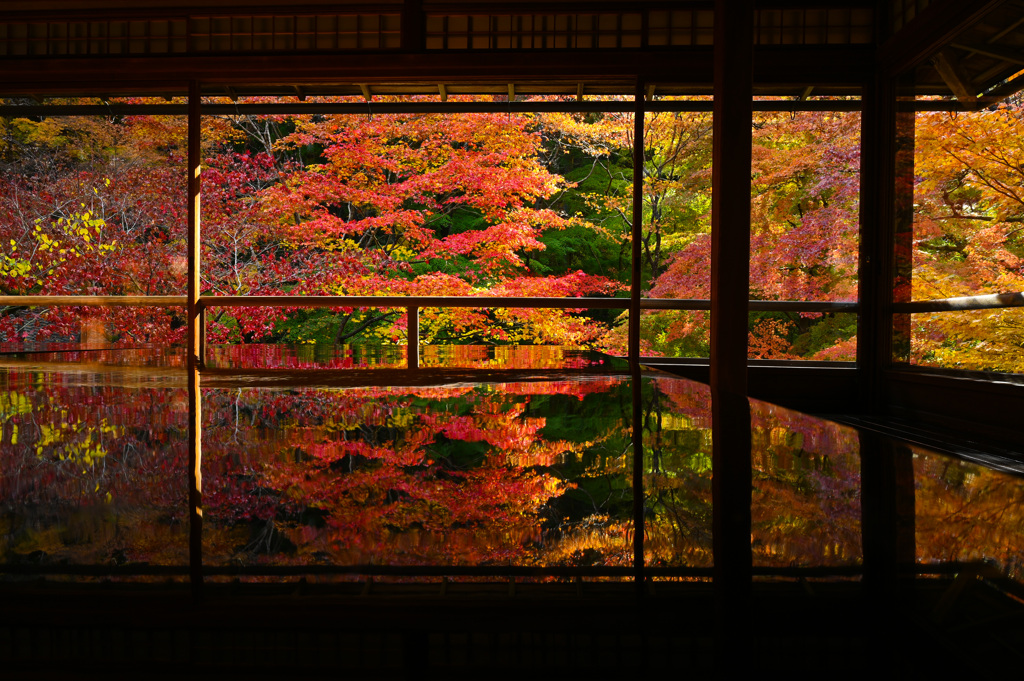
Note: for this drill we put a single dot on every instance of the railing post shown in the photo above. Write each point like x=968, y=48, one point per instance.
x=412, y=320
x=201, y=341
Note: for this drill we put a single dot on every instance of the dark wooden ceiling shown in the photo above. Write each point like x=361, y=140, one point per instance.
x=576, y=48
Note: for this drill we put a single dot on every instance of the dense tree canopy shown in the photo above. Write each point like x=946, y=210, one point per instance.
x=967, y=236
x=494, y=204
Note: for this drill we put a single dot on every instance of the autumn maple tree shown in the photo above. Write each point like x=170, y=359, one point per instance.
x=402, y=205
x=967, y=234
x=805, y=184
x=87, y=211
x=498, y=205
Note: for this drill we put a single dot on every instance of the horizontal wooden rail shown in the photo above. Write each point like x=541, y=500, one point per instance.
x=931, y=569
x=206, y=302
x=93, y=301
x=499, y=571
x=987, y=302
x=752, y=305
x=506, y=302
x=624, y=105
x=984, y=302
x=437, y=301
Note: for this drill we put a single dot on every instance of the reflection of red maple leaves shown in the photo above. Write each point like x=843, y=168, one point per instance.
x=377, y=466
x=92, y=474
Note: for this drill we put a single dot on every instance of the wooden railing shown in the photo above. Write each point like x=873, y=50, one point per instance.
x=412, y=305
x=987, y=302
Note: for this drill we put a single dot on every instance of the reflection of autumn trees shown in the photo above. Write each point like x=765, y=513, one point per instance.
x=437, y=475
x=677, y=474
x=806, y=501
x=91, y=473
x=966, y=512
x=806, y=504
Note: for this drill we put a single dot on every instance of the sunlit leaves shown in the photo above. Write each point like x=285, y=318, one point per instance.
x=968, y=210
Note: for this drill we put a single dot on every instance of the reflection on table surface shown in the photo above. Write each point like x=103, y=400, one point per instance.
x=533, y=469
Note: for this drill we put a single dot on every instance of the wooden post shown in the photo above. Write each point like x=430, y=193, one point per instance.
x=194, y=344
x=413, y=27
x=636, y=275
x=902, y=243
x=887, y=536
x=887, y=515
x=201, y=343
x=635, y=293
x=730, y=277
x=636, y=384
x=412, y=318
x=876, y=269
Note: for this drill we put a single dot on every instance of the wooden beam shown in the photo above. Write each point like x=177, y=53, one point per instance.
x=806, y=93
x=365, y=89
x=291, y=108
x=992, y=301
x=300, y=93
x=443, y=91
x=1007, y=54
x=579, y=92
x=948, y=68
x=511, y=92
x=934, y=28
x=139, y=74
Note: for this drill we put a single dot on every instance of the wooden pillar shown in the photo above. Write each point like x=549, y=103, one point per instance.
x=413, y=26
x=636, y=384
x=636, y=275
x=875, y=280
x=888, y=539
x=636, y=282
x=730, y=207
x=903, y=232
x=194, y=333
x=412, y=341
x=730, y=277
x=888, y=516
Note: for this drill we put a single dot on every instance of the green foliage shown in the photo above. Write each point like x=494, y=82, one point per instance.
x=578, y=248
x=813, y=335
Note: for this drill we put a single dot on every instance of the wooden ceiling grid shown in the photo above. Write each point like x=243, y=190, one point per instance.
x=569, y=47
